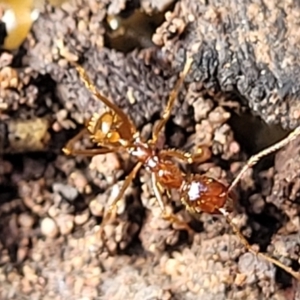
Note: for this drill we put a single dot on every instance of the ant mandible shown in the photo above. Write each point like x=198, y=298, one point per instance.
x=114, y=131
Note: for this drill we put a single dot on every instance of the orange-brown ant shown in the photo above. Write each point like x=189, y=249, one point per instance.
x=114, y=131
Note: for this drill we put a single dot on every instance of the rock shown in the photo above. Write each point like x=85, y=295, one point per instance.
x=25, y=220
x=67, y=191
x=49, y=228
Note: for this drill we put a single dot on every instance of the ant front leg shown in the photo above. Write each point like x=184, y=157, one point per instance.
x=126, y=184
x=165, y=215
x=257, y=253
x=171, y=100
x=69, y=148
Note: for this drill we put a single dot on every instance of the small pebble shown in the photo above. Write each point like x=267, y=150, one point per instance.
x=65, y=223
x=13, y=276
x=29, y=273
x=171, y=267
x=26, y=220
x=82, y=218
x=79, y=181
x=78, y=285
x=49, y=228
x=26, y=286
x=22, y=254
x=96, y=208
x=77, y=262
x=67, y=191
x=105, y=164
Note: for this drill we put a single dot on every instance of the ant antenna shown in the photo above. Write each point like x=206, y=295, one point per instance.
x=253, y=160
x=256, y=252
x=172, y=98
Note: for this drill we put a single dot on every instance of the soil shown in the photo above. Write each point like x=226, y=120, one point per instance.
x=52, y=242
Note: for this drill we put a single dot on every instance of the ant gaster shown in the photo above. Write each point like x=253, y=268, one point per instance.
x=114, y=131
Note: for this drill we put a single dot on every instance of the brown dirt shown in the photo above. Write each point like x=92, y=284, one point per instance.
x=51, y=206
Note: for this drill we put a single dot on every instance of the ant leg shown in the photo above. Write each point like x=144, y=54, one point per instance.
x=87, y=152
x=167, y=216
x=92, y=88
x=257, y=157
x=259, y=254
x=202, y=155
x=69, y=148
x=171, y=100
x=126, y=184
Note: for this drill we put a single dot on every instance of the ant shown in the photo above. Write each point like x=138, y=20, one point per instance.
x=114, y=131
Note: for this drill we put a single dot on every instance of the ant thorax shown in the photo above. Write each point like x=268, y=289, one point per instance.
x=166, y=171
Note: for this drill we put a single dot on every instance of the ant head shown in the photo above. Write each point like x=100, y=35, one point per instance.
x=109, y=129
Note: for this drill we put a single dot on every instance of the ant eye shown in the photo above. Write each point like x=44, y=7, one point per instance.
x=113, y=137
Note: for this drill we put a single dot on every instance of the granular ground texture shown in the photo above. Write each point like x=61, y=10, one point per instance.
x=52, y=243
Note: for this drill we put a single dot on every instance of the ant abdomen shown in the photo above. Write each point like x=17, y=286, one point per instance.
x=200, y=193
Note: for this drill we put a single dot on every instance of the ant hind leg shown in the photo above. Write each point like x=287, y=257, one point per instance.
x=257, y=253
x=165, y=215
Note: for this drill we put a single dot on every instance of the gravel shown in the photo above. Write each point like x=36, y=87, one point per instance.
x=53, y=244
